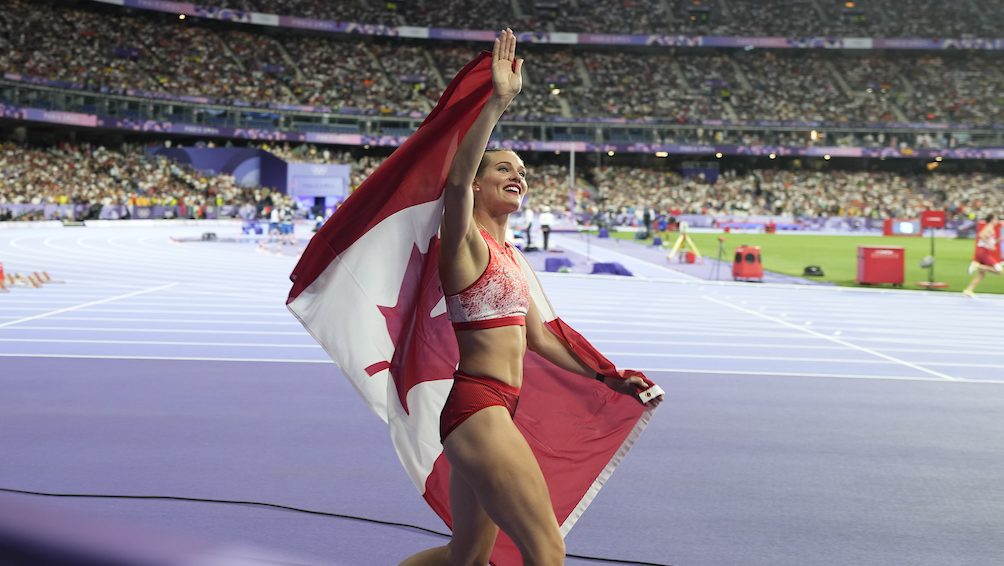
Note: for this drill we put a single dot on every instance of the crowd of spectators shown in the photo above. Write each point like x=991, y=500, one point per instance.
x=341, y=75
x=787, y=18
x=796, y=193
x=95, y=176
x=115, y=52
x=342, y=10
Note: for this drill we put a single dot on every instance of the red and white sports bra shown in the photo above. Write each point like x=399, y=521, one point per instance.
x=499, y=297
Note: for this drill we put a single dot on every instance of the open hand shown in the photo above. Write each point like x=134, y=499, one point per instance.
x=507, y=78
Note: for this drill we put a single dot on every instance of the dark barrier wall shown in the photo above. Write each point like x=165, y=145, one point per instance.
x=274, y=172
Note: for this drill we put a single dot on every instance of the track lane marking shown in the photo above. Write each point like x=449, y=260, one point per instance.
x=831, y=338
x=88, y=304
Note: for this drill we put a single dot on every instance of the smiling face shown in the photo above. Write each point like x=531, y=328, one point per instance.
x=500, y=183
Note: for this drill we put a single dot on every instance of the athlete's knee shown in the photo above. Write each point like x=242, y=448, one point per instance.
x=471, y=549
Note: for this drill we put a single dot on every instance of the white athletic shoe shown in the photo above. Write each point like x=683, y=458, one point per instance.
x=972, y=267
x=967, y=293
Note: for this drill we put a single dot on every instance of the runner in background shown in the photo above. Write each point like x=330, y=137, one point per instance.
x=987, y=257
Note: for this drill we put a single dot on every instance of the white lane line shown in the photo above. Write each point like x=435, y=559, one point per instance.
x=831, y=338
x=220, y=304
x=901, y=330
x=168, y=358
x=88, y=304
x=720, y=344
x=719, y=357
x=962, y=335
x=965, y=365
x=963, y=345
x=235, y=311
x=242, y=310
x=974, y=348
x=177, y=320
x=651, y=370
x=666, y=321
x=162, y=343
x=820, y=375
x=625, y=354
x=975, y=351
x=163, y=330
x=602, y=330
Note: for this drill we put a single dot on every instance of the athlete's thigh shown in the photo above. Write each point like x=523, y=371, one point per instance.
x=491, y=455
x=473, y=531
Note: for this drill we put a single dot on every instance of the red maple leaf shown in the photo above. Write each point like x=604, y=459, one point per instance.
x=424, y=346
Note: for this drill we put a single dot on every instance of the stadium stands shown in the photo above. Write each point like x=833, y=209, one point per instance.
x=95, y=175
x=133, y=64
x=790, y=18
x=112, y=52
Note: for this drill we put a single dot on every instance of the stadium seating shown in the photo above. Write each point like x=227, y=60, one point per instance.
x=119, y=63
x=140, y=53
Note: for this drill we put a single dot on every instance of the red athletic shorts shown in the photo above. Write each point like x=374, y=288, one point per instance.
x=987, y=257
x=469, y=395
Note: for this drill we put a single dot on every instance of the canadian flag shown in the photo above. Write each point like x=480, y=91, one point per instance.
x=367, y=289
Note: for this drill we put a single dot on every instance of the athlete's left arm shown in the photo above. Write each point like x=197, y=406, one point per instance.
x=543, y=342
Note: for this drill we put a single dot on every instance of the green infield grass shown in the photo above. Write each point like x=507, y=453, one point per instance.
x=837, y=255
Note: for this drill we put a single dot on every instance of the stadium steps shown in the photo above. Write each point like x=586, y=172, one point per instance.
x=839, y=78
x=723, y=7
x=900, y=116
x=376, y=60
x=744, y=82
x=903, y=80
x=434, y=69
x=229, y=53
x=823, y=16
x=148, y=51
x=289, y=60
x=730, y=110
x=566, y=109
x=681, y=77
x=583, y=71
x=517, y=10
x=667, y=13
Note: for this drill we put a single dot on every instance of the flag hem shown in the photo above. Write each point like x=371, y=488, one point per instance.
x=607, y=471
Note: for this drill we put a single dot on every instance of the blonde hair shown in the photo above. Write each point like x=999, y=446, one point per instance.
x=484, y=159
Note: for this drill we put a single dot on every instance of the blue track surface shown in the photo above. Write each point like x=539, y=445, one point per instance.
x=806, y=425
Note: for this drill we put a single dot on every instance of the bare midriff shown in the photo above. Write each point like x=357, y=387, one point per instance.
x=493, y=352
